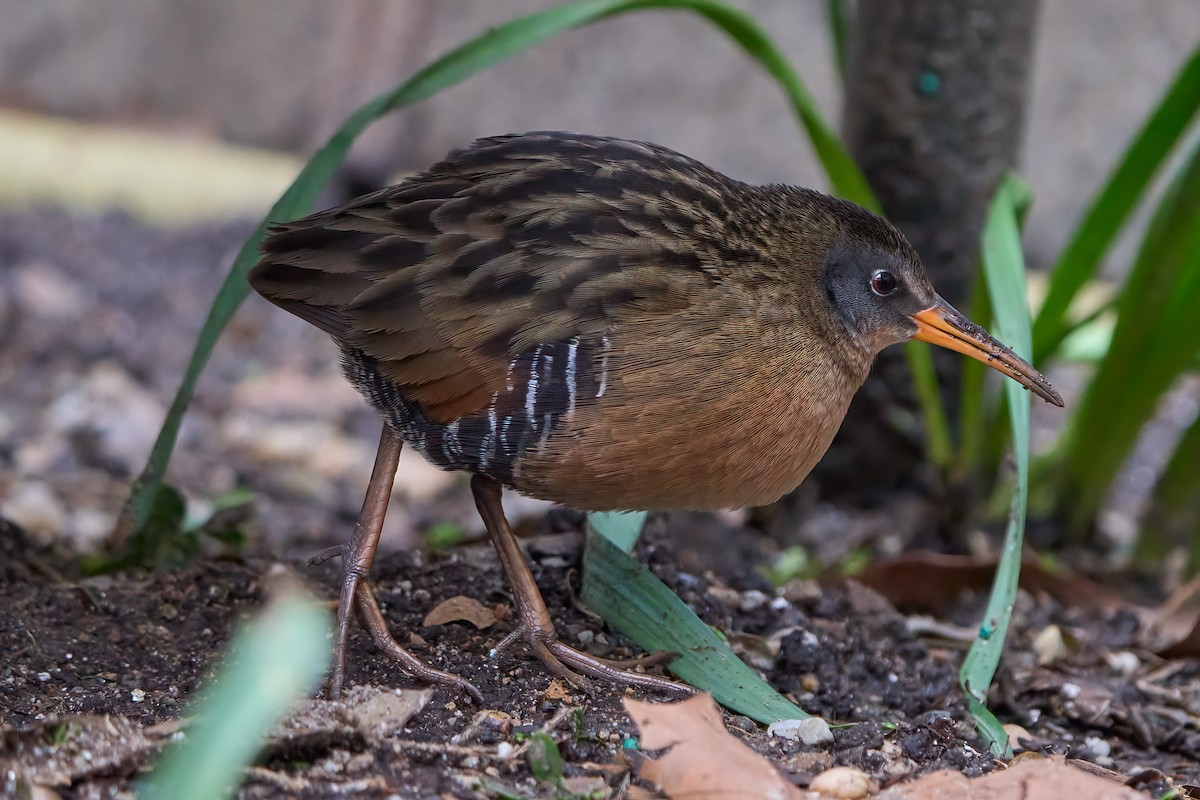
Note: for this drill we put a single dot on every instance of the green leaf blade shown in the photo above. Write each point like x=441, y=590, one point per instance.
x=276, y=659
x=1115, y=203
x=1152, y=344
x=1004, y=273
x=628, y=596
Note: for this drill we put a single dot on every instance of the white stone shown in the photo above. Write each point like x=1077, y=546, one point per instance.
x=810, y=732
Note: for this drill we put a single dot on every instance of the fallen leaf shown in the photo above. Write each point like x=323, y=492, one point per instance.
x=365, y=713
x=1028, y=779
x=588, y=786
x=1173, y=629
x=934, y=581
x=557, y=691
x=386, y=713
x=1016, y=735
x=702, y=758
x=461, y=608
x=66, y=750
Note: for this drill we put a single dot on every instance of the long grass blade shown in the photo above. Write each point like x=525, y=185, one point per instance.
x=620, y=589
x=974, y=401
x=1114, y=205
x=1153, y=343
x=838, y=17
x=622, y=528
x=277, y=658
x=1004, y=273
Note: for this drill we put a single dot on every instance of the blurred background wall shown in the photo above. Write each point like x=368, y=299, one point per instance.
x=282, y=73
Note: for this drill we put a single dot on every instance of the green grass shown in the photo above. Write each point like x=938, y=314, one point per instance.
x=619, y=588
x=1004, y=273
x=277, y=658
x=1141, y=340
x=1113, y=206
x=1153, y=343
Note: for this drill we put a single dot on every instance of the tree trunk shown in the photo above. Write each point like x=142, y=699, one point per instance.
x=935, y=100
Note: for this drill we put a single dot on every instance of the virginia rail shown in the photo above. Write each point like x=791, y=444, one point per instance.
x=606, y=324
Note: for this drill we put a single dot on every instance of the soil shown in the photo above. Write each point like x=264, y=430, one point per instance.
x=99, y=314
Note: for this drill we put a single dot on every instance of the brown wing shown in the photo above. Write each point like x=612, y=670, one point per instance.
x=512, y=243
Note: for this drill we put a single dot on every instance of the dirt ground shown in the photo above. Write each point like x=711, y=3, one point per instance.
x=97, y=316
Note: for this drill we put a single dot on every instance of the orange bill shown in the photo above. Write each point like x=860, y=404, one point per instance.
x=941, y=324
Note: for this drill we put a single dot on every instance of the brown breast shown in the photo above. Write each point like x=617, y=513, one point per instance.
x=705, y=410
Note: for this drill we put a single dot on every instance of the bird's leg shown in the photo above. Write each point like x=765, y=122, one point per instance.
x=535, y=626
x=357, y=555
x=359, y=552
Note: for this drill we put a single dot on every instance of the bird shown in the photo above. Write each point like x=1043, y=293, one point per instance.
x=606, y=324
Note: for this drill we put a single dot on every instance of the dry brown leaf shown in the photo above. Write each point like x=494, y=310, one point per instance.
x=364, y=712
x=557, y=691
x=1030, y=779
x=587, y=786
x=934, y=581
x=386, y=713
x=461, y=608
x=703, y=759
x=1173, y=629
x=64, y=750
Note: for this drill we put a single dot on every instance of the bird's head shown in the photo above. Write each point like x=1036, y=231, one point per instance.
x=880, y=292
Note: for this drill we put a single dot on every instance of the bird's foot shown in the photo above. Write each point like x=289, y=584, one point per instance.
x=577, y=667
x=371, y=617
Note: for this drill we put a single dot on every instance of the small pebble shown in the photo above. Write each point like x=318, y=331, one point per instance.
x=137, y=695
x=809, y=732
x=752, y=599
x=1123, y=662
x=843, y=783
x=1049, y=645
x=743, y=723
x=1097, y=748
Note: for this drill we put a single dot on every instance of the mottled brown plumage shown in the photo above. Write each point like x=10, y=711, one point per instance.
x=606, y=324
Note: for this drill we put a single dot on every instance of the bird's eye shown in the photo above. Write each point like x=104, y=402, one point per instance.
x=884, y=283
